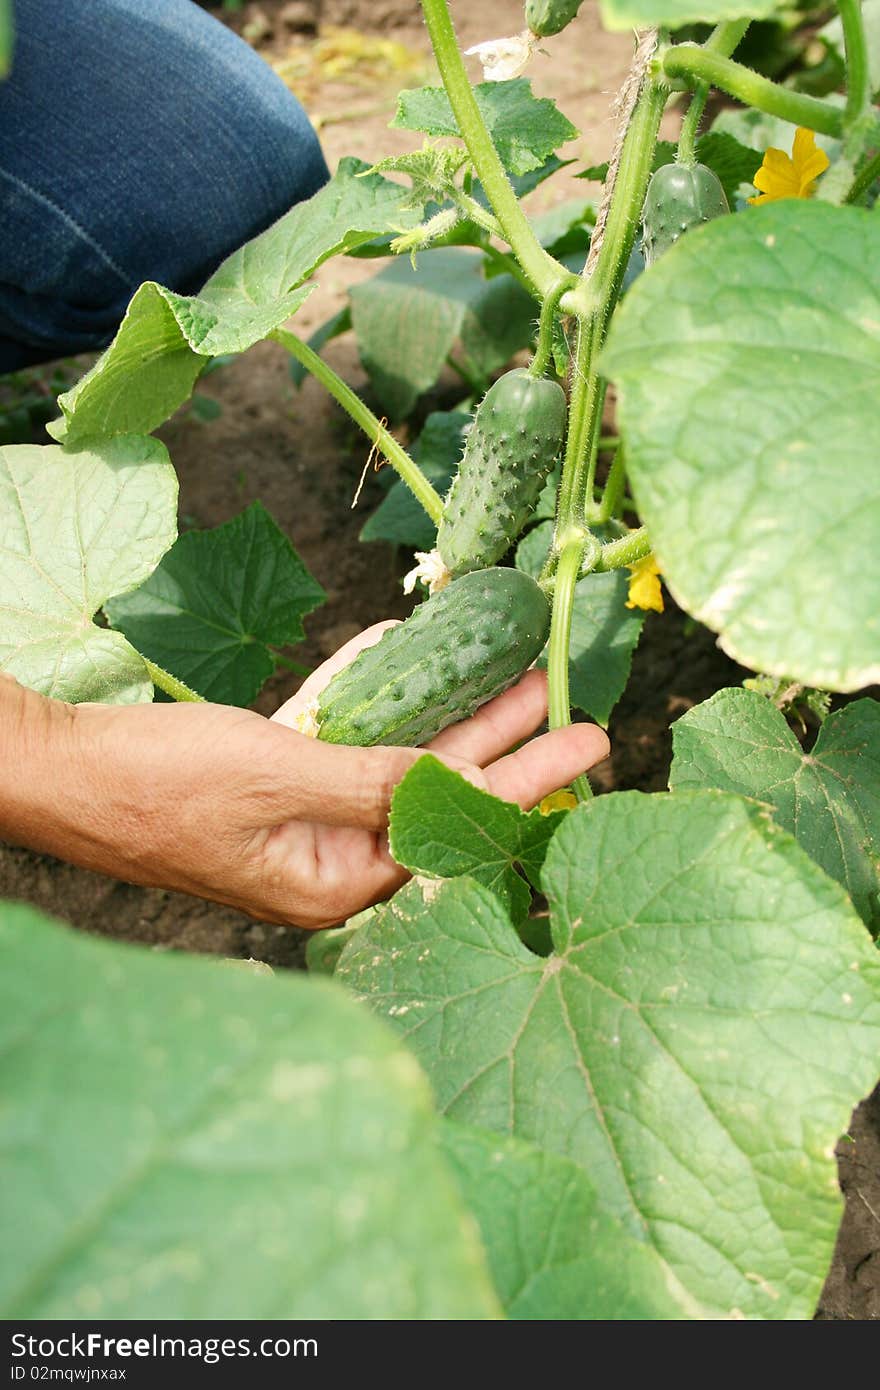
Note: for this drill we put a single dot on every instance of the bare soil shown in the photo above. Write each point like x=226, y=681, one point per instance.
x=298, y=454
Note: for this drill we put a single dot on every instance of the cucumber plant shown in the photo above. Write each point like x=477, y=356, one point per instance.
x=644, y=1078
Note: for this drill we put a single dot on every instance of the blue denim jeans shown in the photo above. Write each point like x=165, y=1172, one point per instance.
x=139, y=140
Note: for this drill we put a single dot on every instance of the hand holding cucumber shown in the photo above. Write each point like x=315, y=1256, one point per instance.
x=228, y=805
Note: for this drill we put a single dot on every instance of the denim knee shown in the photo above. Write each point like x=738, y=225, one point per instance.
x=137, y=142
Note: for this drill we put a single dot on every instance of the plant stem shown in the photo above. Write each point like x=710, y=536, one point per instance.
x=373, y=428
x=687, y=136
x=616, y=555
x=541, y=268
x=864, y=179
x=594, y=299
x=858, y=77
x=724, y=40
x=295, y=666
x=510, y=266
x=164, y=681
x=544, y=346
x=613, y=495
x=568, y=573
x=475, y=212
x=693, y=64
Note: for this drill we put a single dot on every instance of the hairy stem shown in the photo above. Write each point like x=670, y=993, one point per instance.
x=724, y=40
x=616, y=555
x=858, y=77
x=542, y=270
x=691, y=124
x=544, y=346
x=612, y=497
x=372, y=427
x=864, y=179
x=692, y=64
x=170, y=685
x=573, y=562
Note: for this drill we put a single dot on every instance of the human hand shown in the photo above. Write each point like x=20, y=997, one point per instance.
x=225, y=804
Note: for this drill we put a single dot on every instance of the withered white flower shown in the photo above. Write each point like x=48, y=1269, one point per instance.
x=430, y=569
x=306, y=720
x=504, y=58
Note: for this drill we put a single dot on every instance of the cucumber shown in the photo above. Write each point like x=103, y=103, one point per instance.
x=547, y=17
x=512, y=445
x=456, y=651
x=679, y=197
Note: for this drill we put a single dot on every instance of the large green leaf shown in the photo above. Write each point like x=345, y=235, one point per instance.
x=77, y=529
x=828, y=798
x=673, y=14
x=186, y=1141
x=442, y=826
x=748, y=368
x=408, y=318
x=553, y=1251
x=6, y=36
x=218, y=602
x=604, y=632
x=165, y=339
x=525, y=130
x=696, y=1042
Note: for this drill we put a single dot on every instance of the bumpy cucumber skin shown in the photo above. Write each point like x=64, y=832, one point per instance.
x=456, y=651
x=547, y=17
x=679, y=198
x=512, y=445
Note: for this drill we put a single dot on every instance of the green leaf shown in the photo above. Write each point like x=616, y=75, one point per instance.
x=747, y=363
x=431, y=170
x=442, y=826
x=554, y=1253
x=150, y=367
x=673, y=14
x=187, y=1141
x=829, y=798
x=218, y=602
x=331, y=328
x=324, y=948
x=77, y=529
x=565, y=229
x=832, y=33
x=696, y=1043
x=7, y=35
x=407, y=320
x=604, y=632
x=399, y=518
x=525, y=130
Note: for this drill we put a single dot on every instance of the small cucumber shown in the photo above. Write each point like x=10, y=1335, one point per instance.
x=679, y=197
x=547, y=17
x=456, y=651
x=512, y=445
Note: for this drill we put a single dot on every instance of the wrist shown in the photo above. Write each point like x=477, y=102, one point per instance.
x=40, y=763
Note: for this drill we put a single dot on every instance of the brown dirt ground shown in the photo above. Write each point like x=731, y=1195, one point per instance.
x=300, y=456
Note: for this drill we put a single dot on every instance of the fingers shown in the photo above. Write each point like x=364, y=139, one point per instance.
x=498, y=725
x=315, y=683
x=546, y=764
x=329, y=783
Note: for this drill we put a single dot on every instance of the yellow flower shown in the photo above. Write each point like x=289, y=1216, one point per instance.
x=644, y=587
x=791, y=176
x=558, y=801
